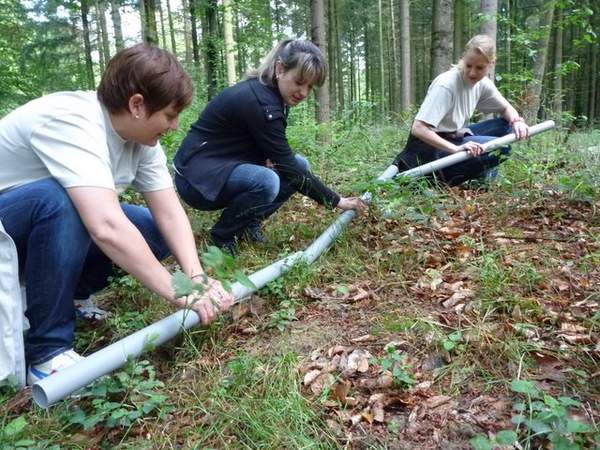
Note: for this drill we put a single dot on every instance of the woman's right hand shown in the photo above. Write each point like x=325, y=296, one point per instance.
x=474, y=148
x=209, y=303
x=355, y=203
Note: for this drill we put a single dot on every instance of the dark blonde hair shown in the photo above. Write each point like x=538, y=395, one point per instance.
x=482, y=44
x=147, y=70
x=293, y=54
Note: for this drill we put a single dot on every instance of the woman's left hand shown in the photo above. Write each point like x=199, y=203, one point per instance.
x=521, y=129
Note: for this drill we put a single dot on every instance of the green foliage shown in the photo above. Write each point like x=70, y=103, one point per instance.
x=541, y=417
x=396, y=362
x=120, y=400
x=452, y=342
x=283, y=315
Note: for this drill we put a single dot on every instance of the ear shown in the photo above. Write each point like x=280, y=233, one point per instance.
x=137, y=105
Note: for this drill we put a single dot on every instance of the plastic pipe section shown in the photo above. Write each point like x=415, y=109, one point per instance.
x=51, y=389
x=54, y=388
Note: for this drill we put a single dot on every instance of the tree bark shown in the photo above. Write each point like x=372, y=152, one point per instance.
x=163, y=31
x=532, y=93
x=459, y=29
x=210, y=38
x=441, y=39
x=319, y=37
x=489, y=24
x=381, y=61
x=194, y=33
x=149, y=25
x=558, y=53
x=89, y=66
x=116, y=19
x=229, y=43
x=103, y=45
x=171, y=28
x=406, y=97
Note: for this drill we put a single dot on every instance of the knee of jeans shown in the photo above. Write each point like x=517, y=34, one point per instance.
x=303, y=162
x=54, y=202
x=266, y=185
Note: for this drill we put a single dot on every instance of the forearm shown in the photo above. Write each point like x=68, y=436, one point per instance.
x=123, y=244
x=426, y=134
x=510, y=114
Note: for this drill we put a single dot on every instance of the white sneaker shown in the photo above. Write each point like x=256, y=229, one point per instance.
x=56, y=364
x=87, y=309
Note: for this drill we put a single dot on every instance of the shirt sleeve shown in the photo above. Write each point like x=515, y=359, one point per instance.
x=491, y=100
x=152, y=173
x=437, y=104
x=266, y=124
x=74, y=151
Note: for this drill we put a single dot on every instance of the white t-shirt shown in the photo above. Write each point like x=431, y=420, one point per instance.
x=69, y=136
x=450, y=101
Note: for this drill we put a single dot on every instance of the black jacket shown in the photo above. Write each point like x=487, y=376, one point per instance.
x=245, y=123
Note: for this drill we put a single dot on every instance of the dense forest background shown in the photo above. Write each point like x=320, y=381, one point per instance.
x=382, y=53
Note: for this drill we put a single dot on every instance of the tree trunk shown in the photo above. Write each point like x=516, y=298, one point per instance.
x=172, y=28
x=532, y=93
x=441, y=39
x=406, y=97
x=142, y=9
x=210, y=38
x=103, y=45
x=381, y=64
x=339, y=63
x=229, y=43
x=558, y=53
x=116, y=19
x=332, y=45
x=395, y=78
x=101, y=56
x=189, y=55
x=319, y=37
x=593, y=57
x=149, y=25
x=194, y=33
x=89, y=65
x=459, y=29
x=163, y=31
x=489, y=25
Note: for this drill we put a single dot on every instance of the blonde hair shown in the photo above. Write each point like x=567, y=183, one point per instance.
x=482, y=44
x=292, y=54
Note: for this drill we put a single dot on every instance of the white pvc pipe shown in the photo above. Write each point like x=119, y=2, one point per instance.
x=463, y=155
x=53, y=388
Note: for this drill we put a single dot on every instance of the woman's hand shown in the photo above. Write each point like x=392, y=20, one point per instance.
x=474, y=148
x=520, y=128
x=355, y=203
x=208, y=304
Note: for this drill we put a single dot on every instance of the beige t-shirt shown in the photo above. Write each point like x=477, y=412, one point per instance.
x=450, y=101
x=69, y=136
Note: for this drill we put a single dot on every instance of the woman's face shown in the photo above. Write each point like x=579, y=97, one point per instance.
x=292, y=88
x=150, y=128
x=475, y=67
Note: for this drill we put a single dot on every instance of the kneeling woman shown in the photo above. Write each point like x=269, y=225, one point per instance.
x=237, y=157
x=440, y=129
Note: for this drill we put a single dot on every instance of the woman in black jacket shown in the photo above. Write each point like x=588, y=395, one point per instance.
x=236, y=157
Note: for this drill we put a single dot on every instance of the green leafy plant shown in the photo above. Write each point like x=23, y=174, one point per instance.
x=122, y=399
x=453, y=341
x=541, y=418
x=283, y=316
x=396, y=362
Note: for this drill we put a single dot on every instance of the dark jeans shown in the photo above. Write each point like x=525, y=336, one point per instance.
x=251, y=194
x=418, y=152
x=58, y=260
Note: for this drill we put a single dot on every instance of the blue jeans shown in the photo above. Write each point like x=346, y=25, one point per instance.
x=251, y=194
x=58, y=260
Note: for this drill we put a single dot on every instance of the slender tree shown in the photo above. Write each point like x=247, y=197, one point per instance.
x=149, y=22
x=89, y=66
x=459, y=29
x=489, y=24
x=210, y=37
x=171, y=28
x=229, y=43
x=543, y=17
x=441, y=38
x=319, y=37
x=405, y=49
x=558, y=59
x=116, y=20
x=163, y=30
x=194, y=33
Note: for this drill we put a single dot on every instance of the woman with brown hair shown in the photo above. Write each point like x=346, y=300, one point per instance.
x=65, y=158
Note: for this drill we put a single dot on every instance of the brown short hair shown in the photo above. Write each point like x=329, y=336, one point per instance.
x=150, y=71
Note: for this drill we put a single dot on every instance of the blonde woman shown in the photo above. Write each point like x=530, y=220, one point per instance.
x=441, y=125
x=236, y=157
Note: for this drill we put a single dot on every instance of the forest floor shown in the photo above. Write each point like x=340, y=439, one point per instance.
x=442, y=319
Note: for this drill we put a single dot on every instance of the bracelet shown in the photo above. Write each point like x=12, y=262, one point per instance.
x=516, y=119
